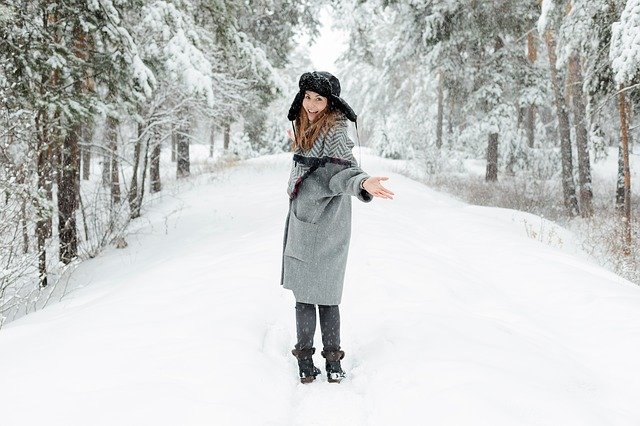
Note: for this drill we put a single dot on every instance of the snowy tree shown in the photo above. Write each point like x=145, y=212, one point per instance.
x=583, y=36
x=182, y=56
x=625, y=45
x=264, y=37
x=441, y=53
x=625, y=60
x=549, y=19
x=50, y=52
x=118, y=78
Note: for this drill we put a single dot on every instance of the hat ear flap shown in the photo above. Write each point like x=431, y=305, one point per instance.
x=294, y=111
x=345, y=108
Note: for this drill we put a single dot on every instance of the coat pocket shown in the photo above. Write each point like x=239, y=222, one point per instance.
x=301, y=239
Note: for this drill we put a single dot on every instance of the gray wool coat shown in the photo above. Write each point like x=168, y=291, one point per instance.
x=317, y=230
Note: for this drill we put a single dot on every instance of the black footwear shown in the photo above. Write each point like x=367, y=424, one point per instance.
x=334, y=369
x=308, y=371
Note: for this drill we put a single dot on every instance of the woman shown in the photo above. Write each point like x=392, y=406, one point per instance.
x=323, y=178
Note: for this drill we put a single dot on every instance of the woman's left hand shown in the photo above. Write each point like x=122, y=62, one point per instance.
x=373, y=186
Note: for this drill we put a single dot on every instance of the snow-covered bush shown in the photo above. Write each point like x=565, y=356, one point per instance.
x=240, y=147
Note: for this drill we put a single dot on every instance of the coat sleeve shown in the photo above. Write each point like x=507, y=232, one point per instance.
x=347, y=179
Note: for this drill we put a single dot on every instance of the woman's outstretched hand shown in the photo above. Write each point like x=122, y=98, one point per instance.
x=373, y=186
x=290, y=135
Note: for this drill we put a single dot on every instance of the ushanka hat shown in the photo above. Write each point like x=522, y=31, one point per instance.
x=324, y=84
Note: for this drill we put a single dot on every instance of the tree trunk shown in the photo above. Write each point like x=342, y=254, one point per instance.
x=620, y=181
x=624, y=133
x=25, y=227
x=86, y=152
x=492, y=143
x=568, y=183
x=182, y=153
x=52, y=128
x=20, y=180
x=174, y=144
x=154, y=168
x=492, y=158
x=112, y=143
x=41, y=239
x=144, y=170
x=83, y=211
x=53, y=157
x=134, y=198
x=532, y=55
x=440, y=110
x=532, y=50
x=522, y=114
x=106, y=168
x=43, y=169
x=69, y=171
x=452, y=107
x=227, y=137
x=86, y=162
x=582, y=142
x=68, y=194
x=69, y=187
x=531, y=125
x=43, y=176
x=212, y=140
x=23, y=223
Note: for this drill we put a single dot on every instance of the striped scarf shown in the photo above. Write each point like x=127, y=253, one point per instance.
x=334, y=146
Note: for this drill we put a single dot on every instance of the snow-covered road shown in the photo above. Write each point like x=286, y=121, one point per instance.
x=452, y=315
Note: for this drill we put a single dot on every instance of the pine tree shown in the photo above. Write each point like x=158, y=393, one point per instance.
x=582, y=142
x=625, y=60
x=549, y=19
x=568, y=182
x=476, y=47
x=47, y=63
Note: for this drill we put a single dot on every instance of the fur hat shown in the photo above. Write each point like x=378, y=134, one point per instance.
x=324, y=84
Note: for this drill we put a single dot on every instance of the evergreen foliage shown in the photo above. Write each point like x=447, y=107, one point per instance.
x=527, y=89
x=109, y=83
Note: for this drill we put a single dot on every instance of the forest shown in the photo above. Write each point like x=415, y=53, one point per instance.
x=96, y=93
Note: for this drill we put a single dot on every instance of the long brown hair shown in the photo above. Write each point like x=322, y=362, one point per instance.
x=306, y=132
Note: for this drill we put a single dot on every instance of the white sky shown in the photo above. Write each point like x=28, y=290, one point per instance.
x=328, y=46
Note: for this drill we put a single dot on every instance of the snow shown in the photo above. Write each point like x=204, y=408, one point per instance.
x=452, y=315
x=143, y=75
x=546, y=9
x=190, y=65
x=625, y=44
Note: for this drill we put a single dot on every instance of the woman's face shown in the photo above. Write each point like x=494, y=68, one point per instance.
x=313, y=104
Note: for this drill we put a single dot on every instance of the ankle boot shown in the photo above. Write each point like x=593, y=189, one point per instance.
x=334, y=369
x=308, y=371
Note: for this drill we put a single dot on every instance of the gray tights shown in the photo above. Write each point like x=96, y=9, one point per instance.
x=329, y=326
